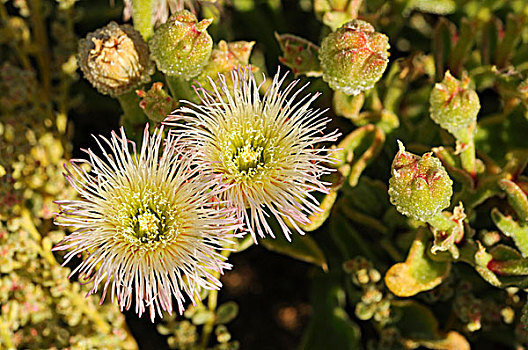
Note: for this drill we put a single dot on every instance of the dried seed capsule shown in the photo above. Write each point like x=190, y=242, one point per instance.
x=181, y=47
x=115, y=59
x=455, y=107
x=354, y=57
x=420, y=186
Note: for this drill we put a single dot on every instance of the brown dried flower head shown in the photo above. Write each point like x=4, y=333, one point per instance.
x=115, y=59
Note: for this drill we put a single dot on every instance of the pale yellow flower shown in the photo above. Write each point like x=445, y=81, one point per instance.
x=266, y=150
x=148, y=228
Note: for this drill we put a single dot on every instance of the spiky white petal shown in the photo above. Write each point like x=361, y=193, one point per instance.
x=266, y=149
x=149, y=228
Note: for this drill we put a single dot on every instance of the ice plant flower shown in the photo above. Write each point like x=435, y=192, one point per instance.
x=147, y=225
x=265, y=149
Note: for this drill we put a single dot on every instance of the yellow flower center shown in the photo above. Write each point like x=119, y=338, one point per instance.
x=148, y=225
x=249, y=157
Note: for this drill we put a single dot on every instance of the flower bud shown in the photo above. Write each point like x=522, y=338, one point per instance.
x=115, y=59
x=181, y=47
x=156, y=103
x=420, y=186
x=455, y=107
x=354, y=57
x=224, y=58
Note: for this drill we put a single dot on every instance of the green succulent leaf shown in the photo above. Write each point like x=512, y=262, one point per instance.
x=301, y=247
x=329, y=317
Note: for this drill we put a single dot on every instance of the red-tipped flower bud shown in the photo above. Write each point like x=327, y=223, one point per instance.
x=455, y=107
x=420, y=186
x=181, y=47
x=354, y=57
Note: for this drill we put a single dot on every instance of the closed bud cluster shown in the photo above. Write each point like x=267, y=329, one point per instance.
x=420, y=186
x=115, y=59
x=156, y=103
x=455, y=107
x=374, y=302
x=354, y=57
x=224, y=58
x=181, y=47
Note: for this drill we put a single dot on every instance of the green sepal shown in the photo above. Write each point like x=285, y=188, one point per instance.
x=419, y=187
x=300, y=55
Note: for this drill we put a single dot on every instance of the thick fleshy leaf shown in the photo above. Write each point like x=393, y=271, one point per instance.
x=414, y=320
x=303, y=248
x=511, y=228
x=517, y=198
x=357, y=150
x=418, y=324
x=330, y=327
x=418, y=273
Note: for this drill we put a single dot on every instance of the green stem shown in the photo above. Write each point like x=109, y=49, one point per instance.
x=180, y=88
x=142, y=16
x=65, y=84
x=441, y=222
x=468, y=159
x=212, y=302
x=133, y=118
x=43, y=54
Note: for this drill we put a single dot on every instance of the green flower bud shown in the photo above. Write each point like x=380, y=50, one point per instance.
x=156, y=103
x=181, y=47
x=224, y=58
x=455, y=107
x=354, y=57
x=420, y=186
x=115, y=59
